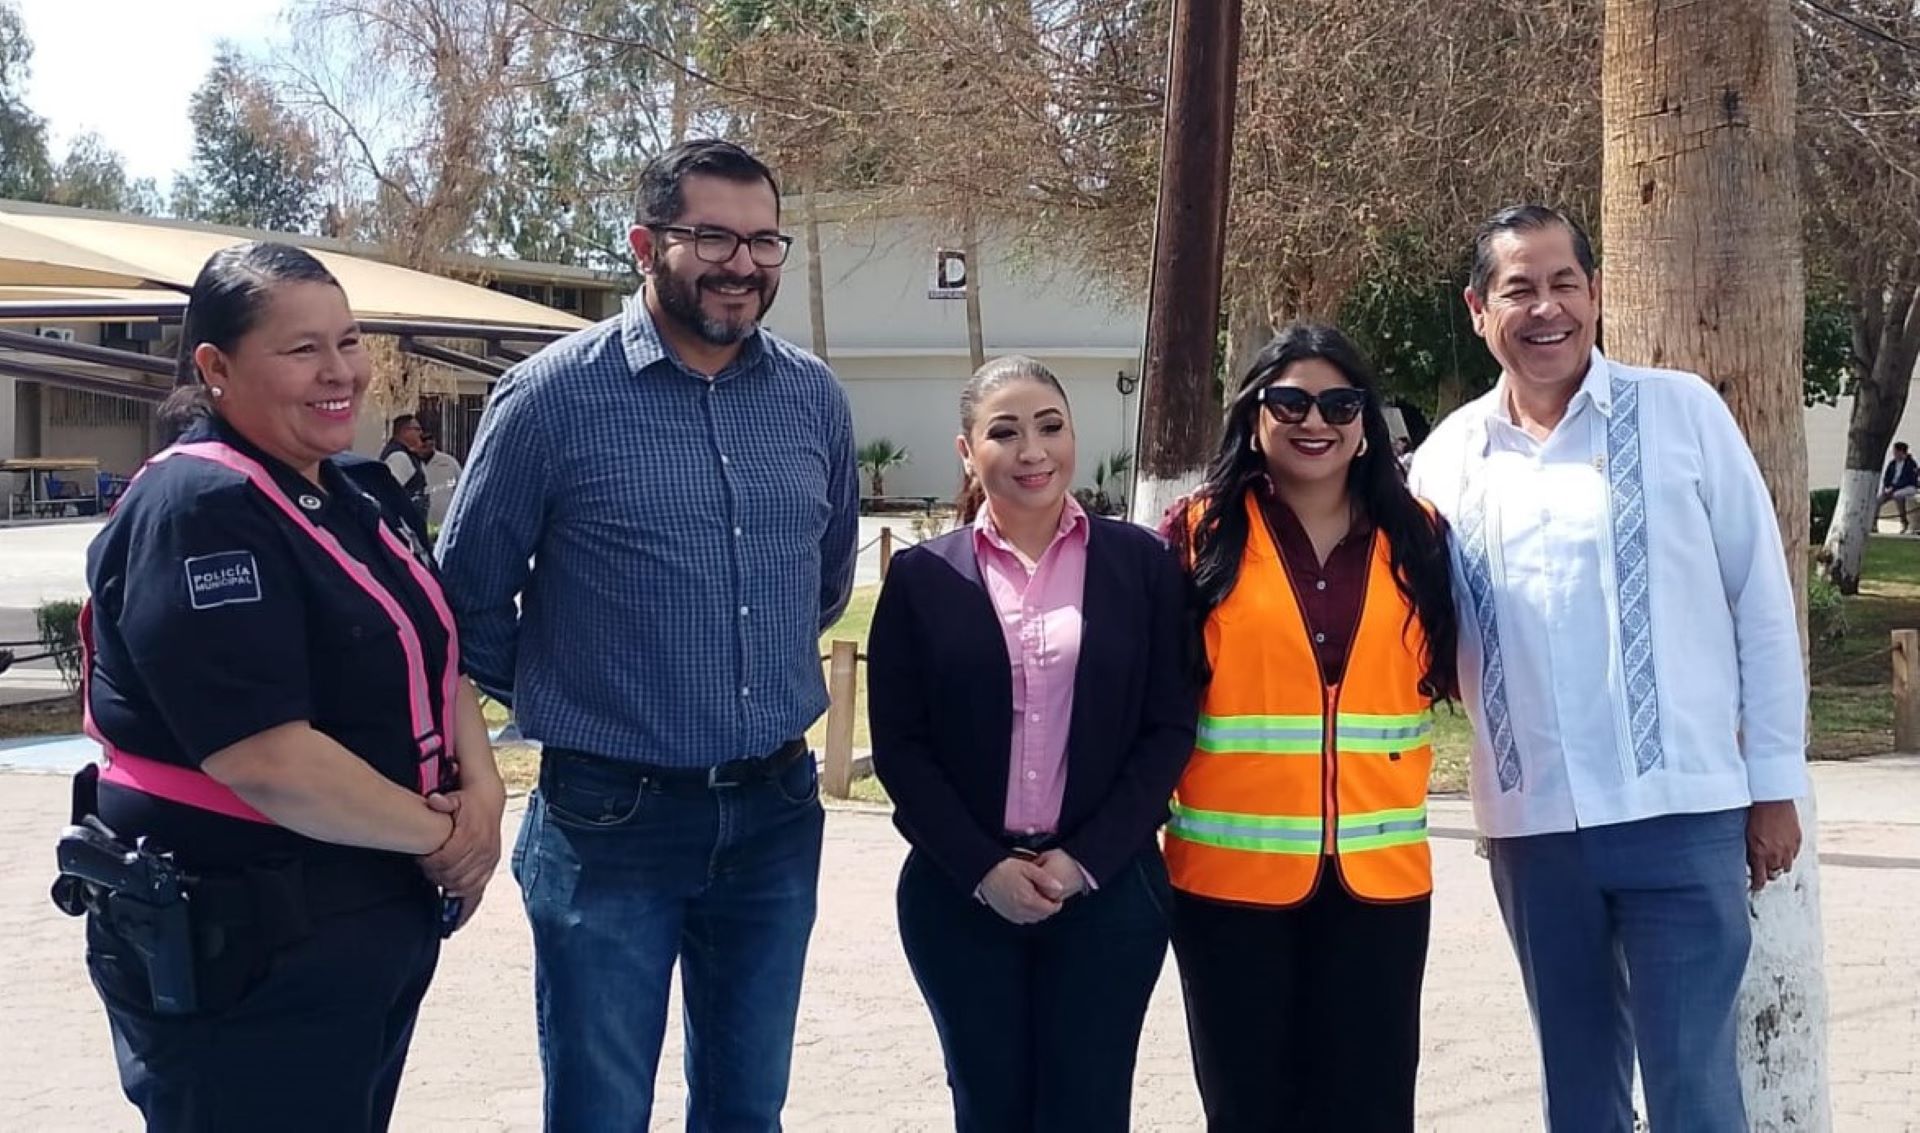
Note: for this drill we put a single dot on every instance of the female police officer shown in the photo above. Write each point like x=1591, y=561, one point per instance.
x=274, y=679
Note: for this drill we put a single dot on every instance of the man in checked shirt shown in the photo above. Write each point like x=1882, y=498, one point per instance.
x=658, y=519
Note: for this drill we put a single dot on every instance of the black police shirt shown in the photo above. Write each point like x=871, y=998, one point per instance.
x=215, y=618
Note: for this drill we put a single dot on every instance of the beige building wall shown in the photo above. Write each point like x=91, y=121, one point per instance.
x=915, y=402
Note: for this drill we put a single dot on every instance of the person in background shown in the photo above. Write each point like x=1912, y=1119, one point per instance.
x=1031, y=708
x=1901, y=483
x=443, y=473
x=402, y=456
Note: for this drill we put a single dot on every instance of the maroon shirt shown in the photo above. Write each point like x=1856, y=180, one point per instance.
x=1330, y=595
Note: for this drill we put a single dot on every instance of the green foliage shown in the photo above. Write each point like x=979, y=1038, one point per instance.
x=878, y=456
x=25, y=171
x=1826, y=363
x=59, y=624
x=1413, y=325
x=255, y=163
x=1826, y=610
x=94, y=177
x=1107, y=496
x=1823, y=502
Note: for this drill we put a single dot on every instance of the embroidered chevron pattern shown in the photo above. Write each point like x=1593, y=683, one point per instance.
x=1472, y=522
x=1628, y=488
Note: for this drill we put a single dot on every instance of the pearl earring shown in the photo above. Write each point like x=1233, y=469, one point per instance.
x=216, y=391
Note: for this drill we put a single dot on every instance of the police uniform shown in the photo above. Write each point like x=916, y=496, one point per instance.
x=231, y=596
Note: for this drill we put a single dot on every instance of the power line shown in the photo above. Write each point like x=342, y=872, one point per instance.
x=1862, y=26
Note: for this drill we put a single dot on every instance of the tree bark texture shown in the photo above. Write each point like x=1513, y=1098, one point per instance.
x=1701, y=217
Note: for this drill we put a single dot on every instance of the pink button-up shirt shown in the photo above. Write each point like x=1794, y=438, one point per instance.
x=1040, y=614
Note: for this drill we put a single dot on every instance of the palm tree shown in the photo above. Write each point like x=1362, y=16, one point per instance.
x=1704, y=272
x=876, y=457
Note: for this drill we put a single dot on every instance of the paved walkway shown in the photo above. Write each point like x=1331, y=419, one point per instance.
x=866, y=1057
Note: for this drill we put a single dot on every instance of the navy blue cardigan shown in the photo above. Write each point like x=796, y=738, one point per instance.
x=940, y=703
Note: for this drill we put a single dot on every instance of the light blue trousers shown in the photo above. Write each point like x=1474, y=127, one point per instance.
x=1630, y=937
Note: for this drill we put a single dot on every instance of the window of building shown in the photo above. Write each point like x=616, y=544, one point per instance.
x=80, y=409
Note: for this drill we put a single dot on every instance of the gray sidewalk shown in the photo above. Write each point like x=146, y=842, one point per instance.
x=866, y=1058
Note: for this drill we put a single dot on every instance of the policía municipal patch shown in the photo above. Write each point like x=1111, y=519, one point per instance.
x=225, y=579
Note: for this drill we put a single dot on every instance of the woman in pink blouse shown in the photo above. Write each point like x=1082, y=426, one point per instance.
x=1032, y=707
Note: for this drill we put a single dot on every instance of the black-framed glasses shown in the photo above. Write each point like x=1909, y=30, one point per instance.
x=1289, y=404
x=717, y=245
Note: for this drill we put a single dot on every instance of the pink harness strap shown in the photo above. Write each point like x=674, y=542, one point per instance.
x=195, y=788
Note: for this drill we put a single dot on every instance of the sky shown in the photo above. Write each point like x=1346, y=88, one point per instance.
x=126, y=69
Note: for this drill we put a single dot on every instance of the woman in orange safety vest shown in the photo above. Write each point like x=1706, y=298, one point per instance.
x=1297, y=846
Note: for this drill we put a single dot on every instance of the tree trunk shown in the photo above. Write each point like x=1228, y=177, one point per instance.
x=816, y=288
x=1886, y=341
x=976, y=335
x=1704, y=273
x=1178, y=410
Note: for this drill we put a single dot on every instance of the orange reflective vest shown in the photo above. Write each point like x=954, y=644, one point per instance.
x=1290, y=776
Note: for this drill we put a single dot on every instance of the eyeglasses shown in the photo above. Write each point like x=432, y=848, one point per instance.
x=717, y=245
x=1289, y=404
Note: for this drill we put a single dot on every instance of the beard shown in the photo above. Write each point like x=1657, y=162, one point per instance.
x=680, y=298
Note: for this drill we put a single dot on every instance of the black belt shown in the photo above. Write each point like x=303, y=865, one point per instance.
x=1032, y=843
x=749, y=772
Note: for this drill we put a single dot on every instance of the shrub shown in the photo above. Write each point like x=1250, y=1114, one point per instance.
x=60, y=637
x=1826, y=610
x=1823, y=503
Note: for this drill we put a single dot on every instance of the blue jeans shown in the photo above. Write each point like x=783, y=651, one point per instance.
x=1633, y=935
x=623, y=874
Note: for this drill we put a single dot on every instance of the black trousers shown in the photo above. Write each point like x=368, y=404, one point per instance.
x=1040, y=1024
x=316, y=1043
x=1306, y=1018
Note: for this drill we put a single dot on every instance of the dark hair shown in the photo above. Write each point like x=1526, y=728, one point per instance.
x=996, y=373
x=1524, y=218
x=1416, y=540
x=402, y=422
x=1899, y=446
x=227, y=297
x=660, y=200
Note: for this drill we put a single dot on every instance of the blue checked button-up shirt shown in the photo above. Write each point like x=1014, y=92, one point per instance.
x=674, y=545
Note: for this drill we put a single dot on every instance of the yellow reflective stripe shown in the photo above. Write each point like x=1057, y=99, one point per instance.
x=1256, y=833
x=1259, y=735
x=1374, y=830
x=1363, y=732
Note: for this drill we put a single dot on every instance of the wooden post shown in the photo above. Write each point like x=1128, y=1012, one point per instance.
x=1906, y=690
x=886, y=551
x=843, y=682
x=1178, y=409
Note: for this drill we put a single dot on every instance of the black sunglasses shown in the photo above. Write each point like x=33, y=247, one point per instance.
x=1289, y=404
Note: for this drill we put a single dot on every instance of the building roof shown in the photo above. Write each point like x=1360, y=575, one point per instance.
x=74, y=253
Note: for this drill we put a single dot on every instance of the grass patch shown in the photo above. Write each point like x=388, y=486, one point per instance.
x=852, y=626
x=1852, y=698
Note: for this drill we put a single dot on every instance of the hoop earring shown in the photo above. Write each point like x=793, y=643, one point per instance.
x=1362, y=450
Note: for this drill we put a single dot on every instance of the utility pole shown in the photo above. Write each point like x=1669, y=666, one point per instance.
x=1178, y=409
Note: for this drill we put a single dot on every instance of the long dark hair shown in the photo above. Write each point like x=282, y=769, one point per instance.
x=1416, y=540
x=227, y=297
x=996, y=373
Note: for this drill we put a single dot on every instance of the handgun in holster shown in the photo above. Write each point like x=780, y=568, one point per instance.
x=139, y=893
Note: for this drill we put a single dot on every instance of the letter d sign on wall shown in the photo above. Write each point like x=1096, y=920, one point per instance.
x=949, y=275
